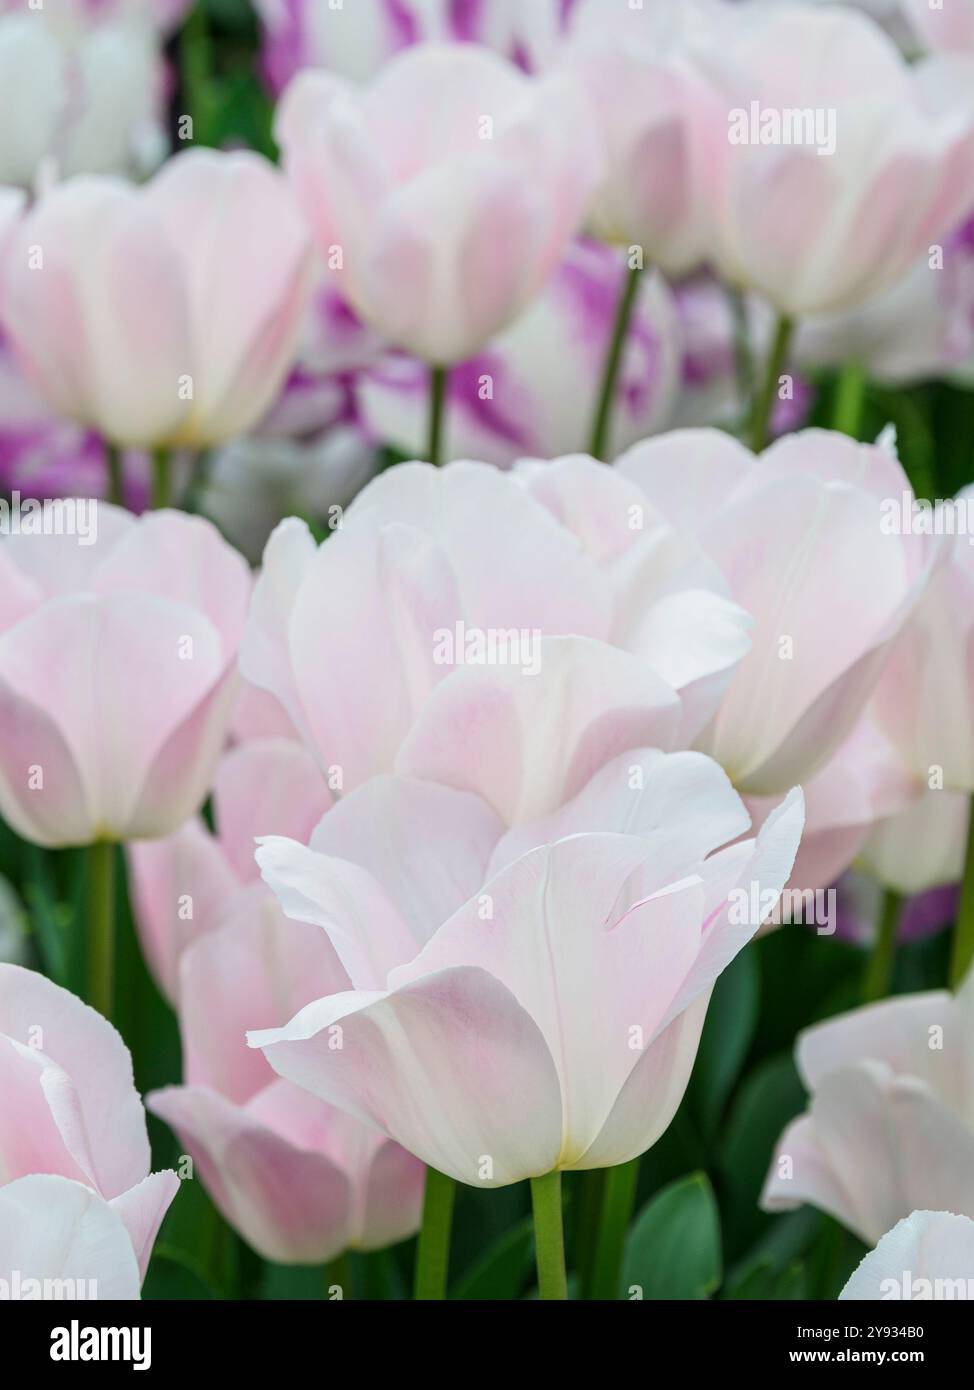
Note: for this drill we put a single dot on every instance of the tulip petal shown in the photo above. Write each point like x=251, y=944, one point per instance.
x=142, y=1208
x=51, y=1228
x=933, y=1246
x=88, y=1050
x=181, y=887
x=256, y=970
x=527, y=742
x=683, y=803
x=426, y=845
x=267, y=785
x=290, y=1204
x=368, y=933
x=449, y=1066
x=652, y=1092
x=597, y=994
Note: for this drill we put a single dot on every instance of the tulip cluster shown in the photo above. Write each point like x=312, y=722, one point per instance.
x=486, y=664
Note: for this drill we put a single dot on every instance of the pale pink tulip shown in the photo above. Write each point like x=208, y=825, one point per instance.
x=927, y=1255
x=861, y=790
x=118, y=652
x=921, y=847
x=60, y=1240
x=924, y=699
x=70, y=1107
x=552, y=1020
x=257, y=715
x=795, y=533
x=650, y=104
x=442, y=195
x=823, y=216
x=78, y=96
x=533, y=390
x=299, y=1179
x=921, y=328
x=189, y=882
x=417, y=567
x=166, y=314
x=890, y=1124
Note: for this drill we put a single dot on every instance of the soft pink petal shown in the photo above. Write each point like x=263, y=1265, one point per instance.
x=451, y=1067
x=527, y=742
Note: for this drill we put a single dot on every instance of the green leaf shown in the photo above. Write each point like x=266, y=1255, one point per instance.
x=174, y=1275
x=791, y=1283
x=755, y=1283
x=674, y=1248
x=293, y=1283
x=763, y=1283
x=771, y=1096
x=50, y=916
x=728, y=1032
x=503, y=1269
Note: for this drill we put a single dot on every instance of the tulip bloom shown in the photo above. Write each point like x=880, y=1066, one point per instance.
x=929, y=1254
x=70, y=1109
x=58, y=1239
x=117, y=673
x=551, y=1021
x=924, y=699
x=890, y=1127
x=532, y=391
x=300, y=1180
x=444, y=194
x=634, y=62
x=822, y=218
x=861, y=791
x=921, y=847
x=794, y=532
x=187, y=883
x=78, y=96
x=653, y=642
x=145, y=313
x=921, y=327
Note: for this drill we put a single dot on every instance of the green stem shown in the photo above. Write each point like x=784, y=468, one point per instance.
x=101, y=926
x=113, y=464
x=610, y=371
x=338, y=1271
x=617, y=1205
x=963, y=948
x=433, y=1250
x=765, y=397
x=161, y=478
x=743, y=356
x=549, y=1235
x=879, y=969
x=438, y=384
x=850, y=396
